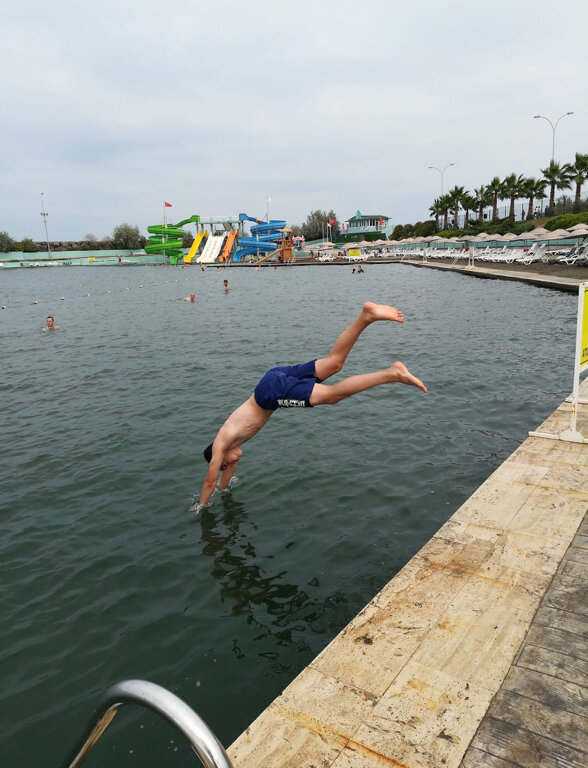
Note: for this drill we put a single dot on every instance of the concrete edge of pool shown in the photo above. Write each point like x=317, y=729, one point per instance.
x=524, y=275
x=409, y=681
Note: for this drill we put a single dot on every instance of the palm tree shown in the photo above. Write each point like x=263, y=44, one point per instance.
x=483, y=198
x=444, y=203
x=455, y=198
x=533, y=189
x=580, y=169
x=511, y=189
x=436, y=210
x=469, y=203
x=495, y=189
x=557, y=176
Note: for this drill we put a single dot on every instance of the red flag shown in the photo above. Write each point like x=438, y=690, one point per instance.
x=333, y=222
x=380, y=222
x=167, y=205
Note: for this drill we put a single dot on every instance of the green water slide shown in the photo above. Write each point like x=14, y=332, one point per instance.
x=168, y=239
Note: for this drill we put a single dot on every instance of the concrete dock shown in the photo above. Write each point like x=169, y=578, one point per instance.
x=523, y=275
x=474, y=654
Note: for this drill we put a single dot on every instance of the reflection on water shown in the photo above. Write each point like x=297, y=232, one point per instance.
x=246, y=585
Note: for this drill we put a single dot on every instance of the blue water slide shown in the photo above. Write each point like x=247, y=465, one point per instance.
x=267, y=235
x=273, y=224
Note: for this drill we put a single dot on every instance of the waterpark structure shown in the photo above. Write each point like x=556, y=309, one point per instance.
x=222, y=239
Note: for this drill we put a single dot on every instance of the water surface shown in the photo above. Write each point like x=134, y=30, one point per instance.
x=106, y=574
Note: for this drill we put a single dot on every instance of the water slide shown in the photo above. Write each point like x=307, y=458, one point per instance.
x=211, y=249
x=225, y=255
x=195, y=246
x=265, y=237
x=168, y=239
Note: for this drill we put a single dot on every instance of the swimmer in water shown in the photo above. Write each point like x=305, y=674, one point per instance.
x=226, y=284
x=49, y=324
x=298, y=386
x=191, y=297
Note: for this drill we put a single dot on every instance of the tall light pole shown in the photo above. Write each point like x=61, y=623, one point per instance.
x=553, y=127
x=44, y=215
x=440, y=172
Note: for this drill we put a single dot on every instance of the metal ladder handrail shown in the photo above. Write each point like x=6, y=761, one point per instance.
x=168, y=705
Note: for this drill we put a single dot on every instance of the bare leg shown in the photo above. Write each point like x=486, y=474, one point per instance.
x=370, y=312
x=329, y=394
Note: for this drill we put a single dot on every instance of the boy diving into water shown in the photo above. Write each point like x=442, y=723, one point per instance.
x=298, y=386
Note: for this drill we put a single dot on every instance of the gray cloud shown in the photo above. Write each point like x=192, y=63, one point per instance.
x=111, y=109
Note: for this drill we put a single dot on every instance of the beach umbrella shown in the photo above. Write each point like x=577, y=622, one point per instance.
x=580, y=230
x=347, y=246
x=558, y=234
x=512, y=236
x=363, y=243
x=539, y=231
x=468, y=238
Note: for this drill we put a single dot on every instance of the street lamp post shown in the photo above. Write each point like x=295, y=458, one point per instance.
x=440, y=172
x=44, y=215
x=553, y=127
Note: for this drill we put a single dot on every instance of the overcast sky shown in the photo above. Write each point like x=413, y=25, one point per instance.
x=112, y=107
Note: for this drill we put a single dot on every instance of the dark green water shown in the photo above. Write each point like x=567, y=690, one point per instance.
x=106, y=574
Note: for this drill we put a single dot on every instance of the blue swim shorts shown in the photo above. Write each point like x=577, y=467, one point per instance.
x=288, y=386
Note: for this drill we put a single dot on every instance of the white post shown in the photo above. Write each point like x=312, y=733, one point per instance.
x=571, y=435
x=44, y=214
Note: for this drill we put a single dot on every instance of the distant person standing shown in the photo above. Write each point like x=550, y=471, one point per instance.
x=49, y=324
x=226, y=284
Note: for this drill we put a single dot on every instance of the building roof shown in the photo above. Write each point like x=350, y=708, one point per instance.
x=359, y=215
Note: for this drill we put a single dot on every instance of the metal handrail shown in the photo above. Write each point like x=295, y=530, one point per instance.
x=154, y=697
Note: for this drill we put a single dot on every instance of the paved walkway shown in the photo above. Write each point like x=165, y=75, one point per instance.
x=539, y=716
x=409, y=681
x=525, y=274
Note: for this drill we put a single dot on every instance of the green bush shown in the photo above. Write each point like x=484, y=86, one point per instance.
x=566, y=221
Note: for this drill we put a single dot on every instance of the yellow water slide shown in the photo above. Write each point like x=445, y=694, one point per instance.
x=195, y=246
x=226, y=254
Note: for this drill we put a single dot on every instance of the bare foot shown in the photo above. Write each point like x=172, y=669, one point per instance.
x=401, y=374
x=372, y=312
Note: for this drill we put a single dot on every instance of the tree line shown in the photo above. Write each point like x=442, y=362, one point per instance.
x=557, y=176
x=124, y=237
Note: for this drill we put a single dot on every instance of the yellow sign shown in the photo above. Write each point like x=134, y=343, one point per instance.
x=354, y=252
x=584, y=328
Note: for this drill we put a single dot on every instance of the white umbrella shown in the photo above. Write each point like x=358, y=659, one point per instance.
x=347, y=246
x=539, y=231
x=579, y=230
x=558, y=234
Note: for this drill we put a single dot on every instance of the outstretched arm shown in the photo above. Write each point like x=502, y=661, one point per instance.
x=227, y=474
x=212, y=475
